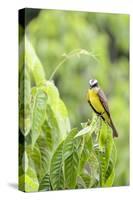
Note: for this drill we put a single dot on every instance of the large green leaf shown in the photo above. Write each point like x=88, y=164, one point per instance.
x=86, y=180
x=85, y=153
x=58, y=109
x=46, y=154
x=71, y=160
x=69, y=144
x=109, y=146
x=24, y=102
x=86, y=150
x=34, y=157
x=45, y=183
x=92, y=167
x=110, y=174
x=38, y=113
x=54, y=131
x=103, y=135
x=25, y=161
x=33, y=63
x=102, y=165
x=28, y=182
x=90, y=128
x=106, y=167
x=71, y=165
x=56, y=172
x=84, y=157
x=80, y=183
x=106, y=154
x=114, y=154
x=48, y=136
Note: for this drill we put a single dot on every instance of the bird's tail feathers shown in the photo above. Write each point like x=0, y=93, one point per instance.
x=115, y=133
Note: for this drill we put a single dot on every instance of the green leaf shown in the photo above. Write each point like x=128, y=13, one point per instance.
x=47, y=133
x=110, y=180
x=88, y=142
x=89, y=129
x=71, y=165
x=58, y=109
x=51, y=118
x=80, y=183
x=24, y=102
x=71, y=159
x=46, y=154
x=106, y=154
x=52, y=123
x=87, y=180
x=25, y=162
x=114, y=153
x=45, y=183
x=109, y=170
x=103, y=135
x=84, y=131
x=56, y=172
x=84, y=156
x=92, y=168
x=69, y=144
x=102, y=163
x=108, y=146
x=63, y=119
x=84, y=124
x=33, y=63
x=21, y=153
x=28, y=182
x=38, y=113
x=34, y=157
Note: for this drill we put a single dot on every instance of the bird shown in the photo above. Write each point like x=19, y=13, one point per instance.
x=98, y=102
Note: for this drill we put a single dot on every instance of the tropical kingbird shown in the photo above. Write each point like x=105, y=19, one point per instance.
x=98, y=102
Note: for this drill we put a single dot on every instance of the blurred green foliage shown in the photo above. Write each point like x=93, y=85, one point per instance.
x=106, y=36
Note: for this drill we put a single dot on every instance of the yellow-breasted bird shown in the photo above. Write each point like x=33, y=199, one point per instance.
x=98, y=102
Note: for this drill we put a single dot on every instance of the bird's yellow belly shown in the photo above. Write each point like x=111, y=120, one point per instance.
x=97, y=105
x=95, y=101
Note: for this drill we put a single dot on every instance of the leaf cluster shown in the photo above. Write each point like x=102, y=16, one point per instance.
x=53, y=156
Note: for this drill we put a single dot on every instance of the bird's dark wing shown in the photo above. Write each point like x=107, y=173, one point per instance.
x=103, y=101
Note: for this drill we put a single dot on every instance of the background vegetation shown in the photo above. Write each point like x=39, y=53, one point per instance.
x=54, y=34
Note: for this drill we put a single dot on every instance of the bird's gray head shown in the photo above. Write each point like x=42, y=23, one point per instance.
x=93, y=83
